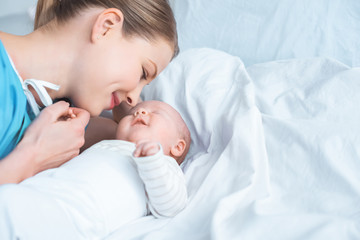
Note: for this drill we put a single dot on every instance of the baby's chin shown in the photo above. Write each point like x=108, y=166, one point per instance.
x=133, y=139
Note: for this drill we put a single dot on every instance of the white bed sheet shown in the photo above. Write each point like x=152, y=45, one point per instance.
x=275, y=152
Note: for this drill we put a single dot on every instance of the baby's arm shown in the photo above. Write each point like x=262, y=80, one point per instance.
x=163, y=178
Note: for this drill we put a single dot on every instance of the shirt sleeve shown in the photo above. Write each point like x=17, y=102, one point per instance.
x=164, y=183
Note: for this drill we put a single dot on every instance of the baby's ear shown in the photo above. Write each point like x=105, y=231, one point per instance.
x=178, y=149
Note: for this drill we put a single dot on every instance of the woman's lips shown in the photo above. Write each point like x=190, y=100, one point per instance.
x=114, y=101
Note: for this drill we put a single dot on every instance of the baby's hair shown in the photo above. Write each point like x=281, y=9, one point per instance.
x=144, y=18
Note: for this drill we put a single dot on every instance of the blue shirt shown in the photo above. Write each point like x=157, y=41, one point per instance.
x=14, y=117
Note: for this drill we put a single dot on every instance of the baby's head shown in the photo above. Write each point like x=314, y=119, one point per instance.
x=156, y=121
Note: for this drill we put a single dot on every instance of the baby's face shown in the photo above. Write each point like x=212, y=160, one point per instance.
x=150, y=120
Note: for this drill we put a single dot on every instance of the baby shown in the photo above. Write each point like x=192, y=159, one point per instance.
x=110, y=184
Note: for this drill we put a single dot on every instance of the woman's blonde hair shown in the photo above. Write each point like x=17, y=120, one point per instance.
x=144, y=18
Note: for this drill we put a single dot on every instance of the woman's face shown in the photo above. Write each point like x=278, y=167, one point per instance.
x=115, y=69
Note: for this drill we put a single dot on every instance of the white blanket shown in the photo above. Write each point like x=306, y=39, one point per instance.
x=275, y=152
x=86, y=198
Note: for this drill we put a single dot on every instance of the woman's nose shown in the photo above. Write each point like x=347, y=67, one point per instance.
x=129, y=101
x=132, y=97
x=141, y=112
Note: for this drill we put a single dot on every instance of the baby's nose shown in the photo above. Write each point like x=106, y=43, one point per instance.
x=141, y=112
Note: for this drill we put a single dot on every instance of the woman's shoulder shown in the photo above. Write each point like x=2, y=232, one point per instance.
x=13, y=114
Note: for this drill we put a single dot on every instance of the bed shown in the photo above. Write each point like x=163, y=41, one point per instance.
x=270, y=92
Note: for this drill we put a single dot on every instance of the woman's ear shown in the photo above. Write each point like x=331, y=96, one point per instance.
x=107, y=20
x=178, y=149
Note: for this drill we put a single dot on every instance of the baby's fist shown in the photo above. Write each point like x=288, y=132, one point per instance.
x=146, y=148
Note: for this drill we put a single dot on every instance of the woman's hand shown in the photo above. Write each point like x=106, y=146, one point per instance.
x=57, y=135
x=53, y=138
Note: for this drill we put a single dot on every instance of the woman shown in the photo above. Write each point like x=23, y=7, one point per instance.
x=97, y=53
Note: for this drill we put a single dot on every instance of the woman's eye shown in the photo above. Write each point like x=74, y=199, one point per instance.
x=144, y=74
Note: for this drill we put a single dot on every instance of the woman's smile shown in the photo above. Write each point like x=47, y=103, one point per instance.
x=114, y=101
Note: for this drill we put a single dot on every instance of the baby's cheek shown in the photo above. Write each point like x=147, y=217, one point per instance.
x=120, y=132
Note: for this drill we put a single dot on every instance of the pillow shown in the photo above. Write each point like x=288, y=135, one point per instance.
x=196, y=83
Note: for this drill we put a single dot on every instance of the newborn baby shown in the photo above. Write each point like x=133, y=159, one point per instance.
x=108, y=185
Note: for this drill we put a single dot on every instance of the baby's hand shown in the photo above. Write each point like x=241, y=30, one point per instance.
x=146, y=148
x=70, y=115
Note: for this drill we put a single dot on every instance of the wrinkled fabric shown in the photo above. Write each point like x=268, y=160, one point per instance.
x=275, y=151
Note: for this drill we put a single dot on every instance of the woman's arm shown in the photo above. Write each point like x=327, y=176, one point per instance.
x=120, y=111
x=48, y=142
x=104, y=127
x=98, y=129
x=17, y=166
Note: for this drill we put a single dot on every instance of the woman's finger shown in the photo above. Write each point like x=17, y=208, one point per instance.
x=82, y=116
x=53, y=112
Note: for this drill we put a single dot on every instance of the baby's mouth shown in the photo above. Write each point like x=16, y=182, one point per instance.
x=138, y=120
